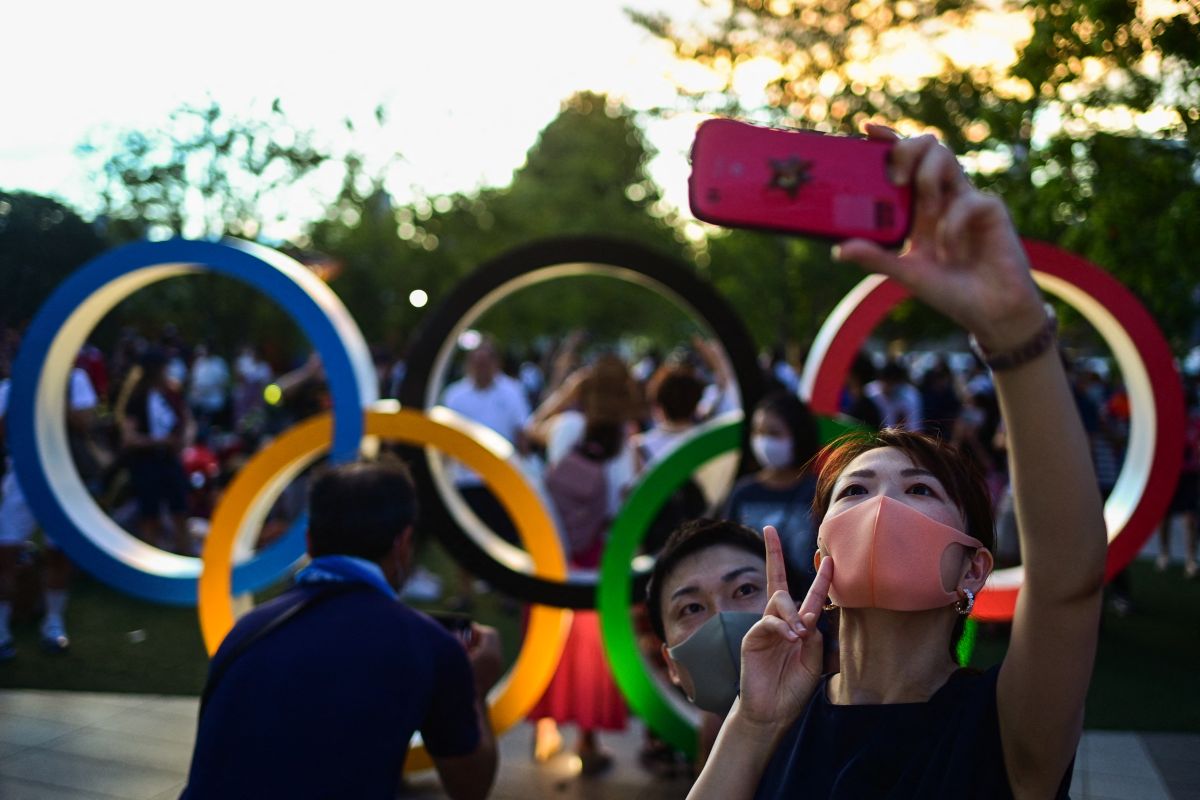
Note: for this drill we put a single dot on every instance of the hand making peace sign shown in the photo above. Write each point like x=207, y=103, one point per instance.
x=782, y=653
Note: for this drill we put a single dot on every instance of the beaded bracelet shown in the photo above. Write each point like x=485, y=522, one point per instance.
x=1022, y=354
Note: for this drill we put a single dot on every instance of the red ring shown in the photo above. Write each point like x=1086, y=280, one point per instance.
x=879, y=295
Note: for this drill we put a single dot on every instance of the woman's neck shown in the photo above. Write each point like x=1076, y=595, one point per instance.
x=892, y=656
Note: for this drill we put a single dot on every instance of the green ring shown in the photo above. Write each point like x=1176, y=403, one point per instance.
x=965, y=648
x=613, y=595
x=615, y=589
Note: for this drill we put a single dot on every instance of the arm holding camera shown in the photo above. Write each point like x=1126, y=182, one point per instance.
x=470, y=776
x=965, y=259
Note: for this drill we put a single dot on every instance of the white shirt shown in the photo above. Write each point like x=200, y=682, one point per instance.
x=657, y=442
x=81, y=396
x=566, y=432
x=717, y=400
x=501, y=406
x=210, y=376
x=251, y=370
x=160, y=417
x=901, y=408
x=786, y=374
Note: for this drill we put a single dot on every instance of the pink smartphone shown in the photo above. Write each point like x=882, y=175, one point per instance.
x=792, y=181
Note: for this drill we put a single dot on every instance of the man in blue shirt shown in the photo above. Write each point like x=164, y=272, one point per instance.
x=317, y=693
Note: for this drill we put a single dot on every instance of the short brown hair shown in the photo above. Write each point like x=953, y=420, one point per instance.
x=676, y=390
x=359, y=508
x=959, y=475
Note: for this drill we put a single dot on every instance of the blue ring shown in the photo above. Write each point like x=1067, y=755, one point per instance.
x=314, y=307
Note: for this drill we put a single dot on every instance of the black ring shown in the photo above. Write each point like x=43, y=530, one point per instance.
x=432, y=336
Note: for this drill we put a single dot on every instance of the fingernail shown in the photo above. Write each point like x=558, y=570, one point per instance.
x=836, y=252
x=791, y=634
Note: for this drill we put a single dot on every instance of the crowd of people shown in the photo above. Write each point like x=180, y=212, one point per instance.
x=894, y=526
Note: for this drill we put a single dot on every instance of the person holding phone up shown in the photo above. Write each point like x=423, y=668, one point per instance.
x=903, y=548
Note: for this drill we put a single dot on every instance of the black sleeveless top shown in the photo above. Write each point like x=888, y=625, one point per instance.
x=947, y=747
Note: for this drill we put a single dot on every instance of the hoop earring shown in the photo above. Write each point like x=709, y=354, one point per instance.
x=965, y=605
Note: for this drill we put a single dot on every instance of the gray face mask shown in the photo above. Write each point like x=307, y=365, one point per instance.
x=712, y=655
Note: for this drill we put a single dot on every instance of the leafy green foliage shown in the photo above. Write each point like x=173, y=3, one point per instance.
x=42, y=241
x=1091, y=55
x=829, y=55
x=1126, y=203
x=585, y=175
x=204, y=173
x=1091, y=133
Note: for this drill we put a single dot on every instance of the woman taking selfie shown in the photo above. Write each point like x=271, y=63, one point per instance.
x=905, y=527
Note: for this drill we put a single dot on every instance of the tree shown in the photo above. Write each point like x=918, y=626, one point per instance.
x=832, y=64
x=1089, y=128
x=586, y=174
x=1099, y=63
x=207, y=173
x=979, y=72
x=204, y=173
x=42, y=241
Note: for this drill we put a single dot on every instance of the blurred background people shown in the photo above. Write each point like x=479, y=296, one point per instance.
x=898, y=400
x=939, y=399
x=783, y=439
x=1183, y=508
x=155, y=427
x=674, y=392
x=17, y=526
x=488, y=396
x=208, y=388
x=591, y=418
x=855, y=402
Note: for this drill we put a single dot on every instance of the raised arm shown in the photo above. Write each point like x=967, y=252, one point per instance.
x=781, y=666
x=966, y=260
x=709, y=351
x=537, y=428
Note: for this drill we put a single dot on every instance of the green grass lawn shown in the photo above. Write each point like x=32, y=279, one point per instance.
x=122, y=644
x=1144, y=679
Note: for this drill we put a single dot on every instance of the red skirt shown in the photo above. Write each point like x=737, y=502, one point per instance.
x=583, y=690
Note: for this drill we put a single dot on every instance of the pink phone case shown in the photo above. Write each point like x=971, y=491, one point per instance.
x=803, y=182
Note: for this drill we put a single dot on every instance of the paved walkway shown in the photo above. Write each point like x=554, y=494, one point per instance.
x=82, y=746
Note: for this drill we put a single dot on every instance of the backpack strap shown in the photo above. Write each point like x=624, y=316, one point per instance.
x=276, y=622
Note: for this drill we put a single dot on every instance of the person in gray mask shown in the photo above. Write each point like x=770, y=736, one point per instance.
x=707, y=588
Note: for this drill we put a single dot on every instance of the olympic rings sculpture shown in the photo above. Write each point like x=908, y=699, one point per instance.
x=38, y=440
x=477, y=548
x=62, y=505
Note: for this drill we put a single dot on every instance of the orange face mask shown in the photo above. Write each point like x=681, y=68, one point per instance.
x=889, y=555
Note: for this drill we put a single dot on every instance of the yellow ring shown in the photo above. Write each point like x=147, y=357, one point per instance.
x=246, y=501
